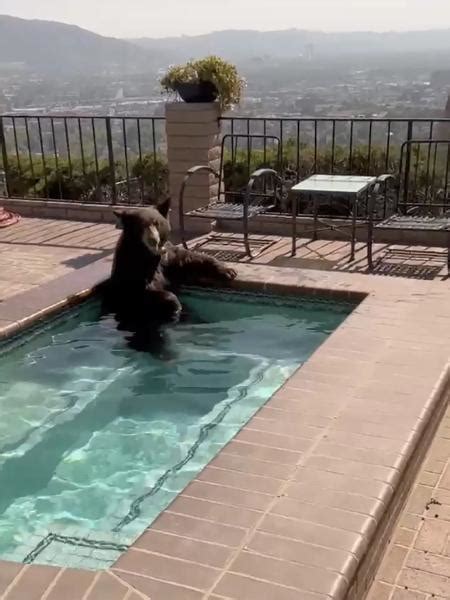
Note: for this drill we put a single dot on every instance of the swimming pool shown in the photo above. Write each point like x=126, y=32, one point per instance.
x=97, y=439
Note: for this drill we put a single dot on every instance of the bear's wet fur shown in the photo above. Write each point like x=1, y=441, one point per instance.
x=148, y=270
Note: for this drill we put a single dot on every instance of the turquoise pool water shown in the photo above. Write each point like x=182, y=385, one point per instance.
x=96, y=439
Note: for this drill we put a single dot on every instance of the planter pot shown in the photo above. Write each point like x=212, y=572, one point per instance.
x=204, y=91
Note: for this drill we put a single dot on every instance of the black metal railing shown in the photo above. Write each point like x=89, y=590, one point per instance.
x=123, y=159
x=425, y=184
x=359, y=146
x=84, y=158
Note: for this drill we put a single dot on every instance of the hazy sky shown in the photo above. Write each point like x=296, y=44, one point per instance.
x=157, y=18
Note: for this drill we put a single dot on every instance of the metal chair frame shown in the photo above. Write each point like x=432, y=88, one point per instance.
x=404, y=217
x=231, y=210
x=255, y=176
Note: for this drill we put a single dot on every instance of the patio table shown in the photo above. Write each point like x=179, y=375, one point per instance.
x=320, y=188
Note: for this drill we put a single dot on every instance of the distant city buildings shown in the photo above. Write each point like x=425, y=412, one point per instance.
x=303, y=87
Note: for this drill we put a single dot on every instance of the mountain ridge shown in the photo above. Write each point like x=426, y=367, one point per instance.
x=292, y=42
x=51, y=46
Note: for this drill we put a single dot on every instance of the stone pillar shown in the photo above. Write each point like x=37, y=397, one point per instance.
x=193, y=138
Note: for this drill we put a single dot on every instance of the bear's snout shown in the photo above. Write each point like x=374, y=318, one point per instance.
x=151, y=238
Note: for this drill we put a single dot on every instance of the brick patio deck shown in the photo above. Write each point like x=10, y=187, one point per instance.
x=417, y=563
x=290, y=507
x=38, y=250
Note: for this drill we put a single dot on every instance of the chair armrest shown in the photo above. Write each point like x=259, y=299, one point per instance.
x=382, y=180
x=386, y=177
x=189, y=173
x=263, y=173
x=199, y=169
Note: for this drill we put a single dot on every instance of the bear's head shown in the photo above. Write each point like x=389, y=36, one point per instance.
x=147, y=225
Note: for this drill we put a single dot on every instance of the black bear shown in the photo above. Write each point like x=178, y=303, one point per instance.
x=148, y=269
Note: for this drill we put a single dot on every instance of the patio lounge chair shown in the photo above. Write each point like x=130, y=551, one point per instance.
x=261, y=194
x=422, y=204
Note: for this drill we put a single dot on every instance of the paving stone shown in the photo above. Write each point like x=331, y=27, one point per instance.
x=419, y=499
x=214, y=511
x=433, y=536
x=404, y=537
x=33, y=583
x=239, y=587
x=380, y=591
x=184, y=548
x=107, y=586
x=199, y=529
x=300, y=552
x=432, y=563
x=429, y=478
x=8, y=572
x=400, y=594
x=156, y=590
x=392, y=564
x=410, y=521
x=424, y=582
x=167, y=569
x=71, y=585
x=445, y=481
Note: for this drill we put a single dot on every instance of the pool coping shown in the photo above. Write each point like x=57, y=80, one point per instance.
x=311, y=475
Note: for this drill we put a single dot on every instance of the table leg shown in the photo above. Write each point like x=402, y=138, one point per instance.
x=353, y=242
x=316, y=215
x=370, y=232
x=448, y=252
x=294, y=224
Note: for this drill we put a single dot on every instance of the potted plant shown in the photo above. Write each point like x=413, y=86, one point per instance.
x=205, y=80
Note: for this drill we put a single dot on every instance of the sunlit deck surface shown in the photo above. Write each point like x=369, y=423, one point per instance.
x=38, y=250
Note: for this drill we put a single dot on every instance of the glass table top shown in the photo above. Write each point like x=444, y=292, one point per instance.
x=334, y=184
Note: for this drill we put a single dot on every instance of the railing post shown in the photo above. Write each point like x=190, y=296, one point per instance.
x=4, y=157
x=409, y=137
x=112, y=168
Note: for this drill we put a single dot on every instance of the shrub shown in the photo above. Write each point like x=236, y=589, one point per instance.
x=222, y=74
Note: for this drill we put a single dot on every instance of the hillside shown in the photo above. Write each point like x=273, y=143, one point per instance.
x=48, y=47
x=242, y=45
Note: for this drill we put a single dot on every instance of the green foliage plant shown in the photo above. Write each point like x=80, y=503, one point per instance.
x=222, y=74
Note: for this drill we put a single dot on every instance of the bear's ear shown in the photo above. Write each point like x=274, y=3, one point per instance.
x=164, y=208
x=119, y=214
